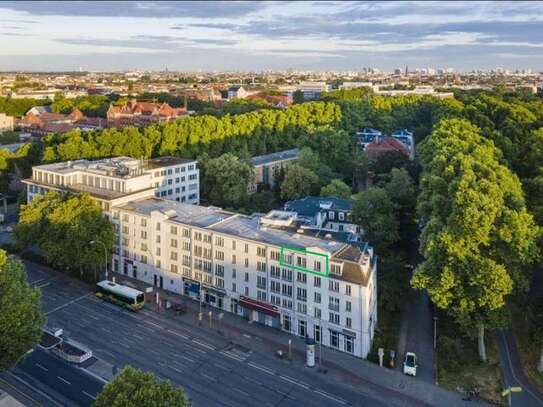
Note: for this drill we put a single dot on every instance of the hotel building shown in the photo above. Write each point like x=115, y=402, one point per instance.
x=267, y=269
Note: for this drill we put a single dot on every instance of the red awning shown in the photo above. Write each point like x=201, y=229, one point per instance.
x=258, y=306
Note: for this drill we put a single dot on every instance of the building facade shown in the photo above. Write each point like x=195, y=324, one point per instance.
x=7, y=123
x=267, y=168
x=114, y=181
x=262, y=268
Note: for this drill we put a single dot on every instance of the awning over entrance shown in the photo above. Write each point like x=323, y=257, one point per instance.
x=258, y=306
x=213, y=290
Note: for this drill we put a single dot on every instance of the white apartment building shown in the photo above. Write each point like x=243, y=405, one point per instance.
x=115, y=181
x=263, y=268
x=313, y=90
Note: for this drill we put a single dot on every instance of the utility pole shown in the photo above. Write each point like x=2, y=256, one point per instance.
x=435, y=332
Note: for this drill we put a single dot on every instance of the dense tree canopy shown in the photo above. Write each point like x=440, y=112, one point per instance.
x=21, y=317
x=298, y=183
x=336, y=188
x=62, y=225
x=478, y=236
x=133, y=387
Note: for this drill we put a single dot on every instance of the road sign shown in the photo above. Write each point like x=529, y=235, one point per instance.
x=516, y=389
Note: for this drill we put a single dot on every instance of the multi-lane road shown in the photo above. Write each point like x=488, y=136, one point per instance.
x=213, y=370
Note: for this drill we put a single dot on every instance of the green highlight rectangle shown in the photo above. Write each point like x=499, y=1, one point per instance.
x=283, y=262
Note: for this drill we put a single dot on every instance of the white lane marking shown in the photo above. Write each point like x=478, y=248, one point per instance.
x=288, y=379
x=176, y=369
x=208, y=377
x=93, y=317
x=240, y=391
x=88, y=395
x=42, y=285
x=41, y=367
x=199, y=350
x=329, y=396
x=250, y=379
x=186, y=358
x=178, y=334
x=513, y=372
x=205, y=345
x=232, y=356
x=302, y=384
x=137, y=336
x=68, y=303
x=63, y=379
x=264, y=369
x=152, y=323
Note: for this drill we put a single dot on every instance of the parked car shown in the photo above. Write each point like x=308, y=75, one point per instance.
x=410, y=364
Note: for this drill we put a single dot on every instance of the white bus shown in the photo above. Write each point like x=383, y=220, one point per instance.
x=120, y=294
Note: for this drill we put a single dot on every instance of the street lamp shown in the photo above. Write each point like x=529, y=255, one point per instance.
x=105, y=252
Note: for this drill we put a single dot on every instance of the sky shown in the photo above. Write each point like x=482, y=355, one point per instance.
x=269, y=35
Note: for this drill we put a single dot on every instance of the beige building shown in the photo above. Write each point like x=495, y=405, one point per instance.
x=267, y=168
x=7, y=123
x=263, y=268
x=115, y=181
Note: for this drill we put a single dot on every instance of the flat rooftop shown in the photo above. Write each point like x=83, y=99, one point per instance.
x=188, y=214
x=167, y=161
x=273, y=157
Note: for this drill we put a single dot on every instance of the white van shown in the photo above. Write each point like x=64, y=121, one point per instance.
x=410, y=364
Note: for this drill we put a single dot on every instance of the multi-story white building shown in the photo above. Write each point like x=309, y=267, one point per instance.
x=115, y=181
x=263, y=268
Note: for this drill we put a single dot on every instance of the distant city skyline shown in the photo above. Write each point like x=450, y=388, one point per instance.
x=109, y=36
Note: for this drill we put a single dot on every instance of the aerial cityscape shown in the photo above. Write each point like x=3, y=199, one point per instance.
x=270, y=203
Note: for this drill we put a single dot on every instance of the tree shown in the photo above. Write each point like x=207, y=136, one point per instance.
x=226, y=180
x=133, y=387
x=299, y=182
x=336, y=188
x=62, y=225
x=21, y=317
x=375, y=213
x=478, y=239
x=298, y=97
x=401, y=189
x=307, y=158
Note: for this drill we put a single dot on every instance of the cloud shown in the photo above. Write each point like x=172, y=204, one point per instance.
x=145, y=9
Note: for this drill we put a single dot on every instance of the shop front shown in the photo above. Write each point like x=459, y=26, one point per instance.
x=191, y=288
x=260, y=312
x=213, y=296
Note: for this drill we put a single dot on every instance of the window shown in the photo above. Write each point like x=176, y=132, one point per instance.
x=335, y=269
x=173, y=243
x=234, y=287
x=208, y=279
x=143, y=222
x=207, y=238
x=286, y=323
x=246, y=277
x=301, y=294
x=331, y=215
x=158, y=251
x=173, y=256
x=301, y=307
x=316, y=281
x=287, y=303
x=286, y=275
x=173, y=268
x=173, y=230
x=158, y=238
x=301, y=277
x=261, y=251
x=197, y=236
x=317, y=298
x=219, y=255
x=275, y=272
x=125, y=217
x=333, y=318
x=333, y=304
x=246, y=262
x=348, y=306
x=274, y=255
x=275, y=287
x=348, y=289
x=186, y=246
x=348, y=344
x=334, y=339
x=301, y=262
x=186, y=233
x=317, y=266
x=261, y=295
x=143, y=259
x=233, y=259
x=246, y=248
x=348, y=322
x=219, y=270
x=247, y=291
x=233, y=245
x=143, y=234
x=317, y=313
x=233, y=273
x=158, y=226
x=275, y=300
x=219, y=282
x=260, y=266
x=186, y=260
x=261, y=282
x=333, y=285
x=219, y=241
x=286, y=290
x=341, y=216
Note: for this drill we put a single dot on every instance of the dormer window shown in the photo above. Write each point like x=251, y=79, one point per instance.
x=335, y=269
x=341, y=216
x=331, y=215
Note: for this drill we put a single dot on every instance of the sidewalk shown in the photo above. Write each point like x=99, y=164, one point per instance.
x=348, y=369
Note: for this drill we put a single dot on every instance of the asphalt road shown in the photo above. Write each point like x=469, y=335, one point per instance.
x=71, y=383
x=213, y=370
x=416, y=335
x=513, y=375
